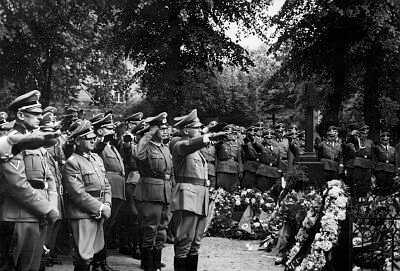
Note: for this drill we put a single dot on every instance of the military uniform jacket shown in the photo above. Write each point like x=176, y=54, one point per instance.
x=229, y=158
x=85, y=185
x=191, y=174
x=250, y=156
x=128, y=152
x=209, y=153
x=30, y=190
x=360, y=154
x=55, y=170
x=269, y=161
x=155, y=167
x=384, y=158
x=115, y=169
x=330, y=154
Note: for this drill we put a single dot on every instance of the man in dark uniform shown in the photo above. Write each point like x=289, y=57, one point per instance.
x=153, y=191
x=268, y=173
x=5, y=126
x=210, y=155
x=250, y=157
x=31, y=197
x=54, y=158
x=282, y=143
x=115, y=170
x=384, y=157
x=88, y=199
x=359, y=164
x=229, y=162
x=191, y=193
x=330, y=154
x=130, y=238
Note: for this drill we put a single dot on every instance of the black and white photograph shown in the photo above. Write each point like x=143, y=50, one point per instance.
x=199, y=135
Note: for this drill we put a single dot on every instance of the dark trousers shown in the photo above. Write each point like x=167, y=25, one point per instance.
x=189, y=232
x=52, y=233
x=153, y=217
x=249, y=179
x=384, y=182
x=6, y=233
x=129, y=218
x=28, y=249
x=360, y=181
x=227, y=181
x=110, y=223
x=265, y=183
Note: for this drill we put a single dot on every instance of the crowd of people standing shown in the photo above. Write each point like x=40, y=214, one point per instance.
x=98, y=172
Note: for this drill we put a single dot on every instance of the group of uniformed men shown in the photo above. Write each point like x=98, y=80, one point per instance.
x=88, y=175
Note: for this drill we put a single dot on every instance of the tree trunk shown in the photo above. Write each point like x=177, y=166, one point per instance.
x=371, y=94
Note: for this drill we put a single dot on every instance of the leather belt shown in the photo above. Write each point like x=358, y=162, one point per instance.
x=96, y=193
x=165, y=177
x=39, y=184
x=196, y=181
x=116, y=172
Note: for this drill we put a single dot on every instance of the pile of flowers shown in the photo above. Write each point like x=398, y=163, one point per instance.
x=229, y=208
x=334, y=211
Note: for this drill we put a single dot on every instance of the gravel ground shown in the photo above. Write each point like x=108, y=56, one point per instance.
x=217, y=254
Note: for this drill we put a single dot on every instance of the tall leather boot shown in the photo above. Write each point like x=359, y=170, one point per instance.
x=157, y=259
x=148, y=259
x=100, y=261
x=191, y=262
x=180, y=264
x=82, y=265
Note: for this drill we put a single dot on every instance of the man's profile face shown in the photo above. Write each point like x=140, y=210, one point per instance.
x=31, y=120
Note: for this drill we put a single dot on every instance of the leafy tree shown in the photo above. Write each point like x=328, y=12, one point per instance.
x=181, y=40
x=350, y=46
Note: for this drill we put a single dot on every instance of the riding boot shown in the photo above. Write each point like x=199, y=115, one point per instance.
x=82, y=265
x=100, y=261
x=148, y=259
x=180, y=264
x=157, y=259
x=191, y=262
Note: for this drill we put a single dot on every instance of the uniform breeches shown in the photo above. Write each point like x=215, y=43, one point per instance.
x=109, y=223
x=88, y=237
x=360, y=181
x=52, y=233
x=249, y=179
x=189, y=232
x=264, y=183
x=6, y=233
x=153, y=217
x=28, y=248
x=384, y=182
x=227, y=181
x=130, y=232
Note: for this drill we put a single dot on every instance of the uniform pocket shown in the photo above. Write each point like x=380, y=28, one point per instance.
x=89, y=177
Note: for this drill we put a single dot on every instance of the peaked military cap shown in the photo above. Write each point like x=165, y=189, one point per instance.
x=105, y=121
x=47, y=122
x=51, y=109
x=268, y=133
x=3, y=117
x=363, y=127
x=188, y=121
x=84, y=128
x=218, y=127
x=141, y=128
x=135, y=117
x=160, y=120
x=279, y=126
x=27, y=102
x=97, y=118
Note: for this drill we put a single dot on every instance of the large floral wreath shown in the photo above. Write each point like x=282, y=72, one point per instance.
x=334, y=202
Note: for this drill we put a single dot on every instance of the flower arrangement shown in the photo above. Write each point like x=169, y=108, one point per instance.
x=229, y=208
x=334, y=211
